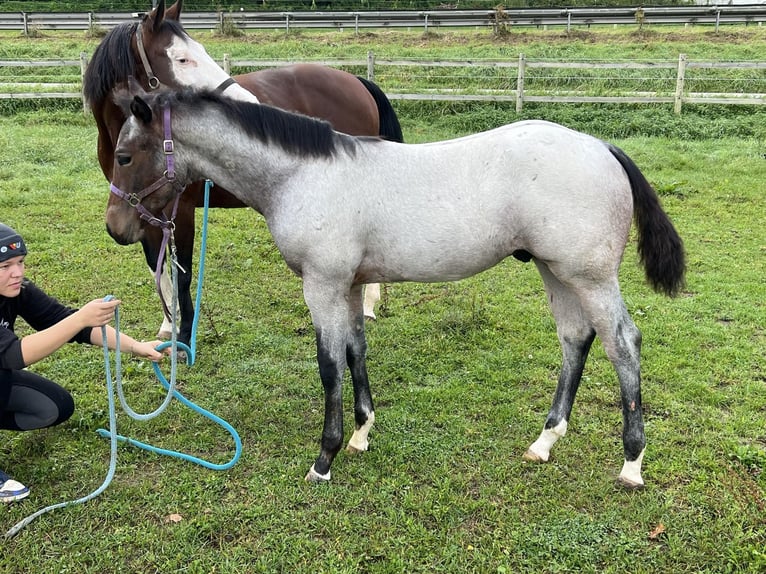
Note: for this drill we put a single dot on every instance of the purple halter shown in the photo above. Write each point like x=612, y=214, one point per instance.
x=168, y=177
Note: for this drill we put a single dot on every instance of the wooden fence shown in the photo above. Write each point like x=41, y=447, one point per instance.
x=518, y=76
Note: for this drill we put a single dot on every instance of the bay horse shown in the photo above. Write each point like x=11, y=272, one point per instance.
x=351, y=104
x=431, y=212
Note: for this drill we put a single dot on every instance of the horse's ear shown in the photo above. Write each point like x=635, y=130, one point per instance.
x=141, y=109
x=157, y=15
x=134, y=87
x=123, y=95
x=174, y=12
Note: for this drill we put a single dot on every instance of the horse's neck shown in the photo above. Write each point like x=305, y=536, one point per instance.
x=251, y=170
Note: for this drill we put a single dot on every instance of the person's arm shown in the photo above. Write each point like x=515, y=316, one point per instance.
x=41, y=344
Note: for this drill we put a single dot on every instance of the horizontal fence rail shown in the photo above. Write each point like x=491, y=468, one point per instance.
x=519, y=80
x=414, y=19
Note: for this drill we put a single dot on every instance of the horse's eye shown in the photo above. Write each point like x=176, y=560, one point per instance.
x=123, y=159
x=183, y=60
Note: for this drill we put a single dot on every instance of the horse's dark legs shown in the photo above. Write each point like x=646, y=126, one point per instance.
x=601, y=307
x=356, y=351
x=576, y=336
x=184, y=238
x=329, y=313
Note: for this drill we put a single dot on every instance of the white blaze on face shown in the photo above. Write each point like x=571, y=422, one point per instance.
x=192, y=66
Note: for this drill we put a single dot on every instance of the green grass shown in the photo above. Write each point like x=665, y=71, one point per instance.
x=462, y=375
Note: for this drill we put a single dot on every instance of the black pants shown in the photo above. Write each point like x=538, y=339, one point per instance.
x=29, y=401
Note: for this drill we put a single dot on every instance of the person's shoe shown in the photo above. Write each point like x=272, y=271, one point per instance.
x=10, y=489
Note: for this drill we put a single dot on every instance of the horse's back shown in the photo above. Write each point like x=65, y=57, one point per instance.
x=468, y=203
x=317, y=91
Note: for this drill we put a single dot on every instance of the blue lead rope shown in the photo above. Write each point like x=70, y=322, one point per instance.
x=169, y=386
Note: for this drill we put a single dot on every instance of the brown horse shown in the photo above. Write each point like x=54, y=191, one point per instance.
x=157, y=50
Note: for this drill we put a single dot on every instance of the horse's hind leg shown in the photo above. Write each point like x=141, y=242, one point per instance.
x=580, y=310
x=622, y=343
x=356, y=351
x=576, y=335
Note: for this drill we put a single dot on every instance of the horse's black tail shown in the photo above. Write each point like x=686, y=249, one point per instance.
x=390, y=128
x=659, y=246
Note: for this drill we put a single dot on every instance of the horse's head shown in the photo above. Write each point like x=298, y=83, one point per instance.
x=170, y=57
x=145, y=184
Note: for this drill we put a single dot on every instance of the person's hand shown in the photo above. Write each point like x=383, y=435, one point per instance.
x=147, y=350
x=98, y=312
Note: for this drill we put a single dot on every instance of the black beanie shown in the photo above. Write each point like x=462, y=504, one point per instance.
x=11, y=243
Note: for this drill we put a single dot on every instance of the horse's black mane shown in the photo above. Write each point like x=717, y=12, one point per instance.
x=294, y=133
x=113, y=61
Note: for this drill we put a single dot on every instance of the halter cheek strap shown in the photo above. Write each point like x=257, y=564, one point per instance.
x=154, y=82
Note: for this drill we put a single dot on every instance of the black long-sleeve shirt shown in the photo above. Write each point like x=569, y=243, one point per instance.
x=40, y=311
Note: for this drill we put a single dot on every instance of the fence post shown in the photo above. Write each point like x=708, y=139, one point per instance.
x=680, y=83
x=227, y=64
x=83, y=67
x=26, y=23
x=520, y=84
x=371, y=65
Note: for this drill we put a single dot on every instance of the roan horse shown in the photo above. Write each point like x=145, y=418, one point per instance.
x=351, y=104
x=432, y=212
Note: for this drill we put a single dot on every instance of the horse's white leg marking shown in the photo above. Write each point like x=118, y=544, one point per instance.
x=540, y=450
x=630, y=476
x=314, y=476
x=371, y=296
x=166, y=329
x=359, y=442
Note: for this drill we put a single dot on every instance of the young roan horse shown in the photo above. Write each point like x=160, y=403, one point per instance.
x=432, y=212
x=157, y=51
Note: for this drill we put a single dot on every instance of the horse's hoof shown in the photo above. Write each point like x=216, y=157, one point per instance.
x=371, y=316
x=629, y=484
x=532, y=456
x=354, y=450
x=164, y=335
x=314, y=477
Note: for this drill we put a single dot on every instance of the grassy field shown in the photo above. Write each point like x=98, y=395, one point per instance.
x=462, y=374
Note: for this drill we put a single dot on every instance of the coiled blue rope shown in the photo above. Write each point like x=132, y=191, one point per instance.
x=169, y=386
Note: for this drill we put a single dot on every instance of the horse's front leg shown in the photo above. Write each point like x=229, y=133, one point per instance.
x=151, y=243
x=364, y=412
x=329, y=313
x=184, y=237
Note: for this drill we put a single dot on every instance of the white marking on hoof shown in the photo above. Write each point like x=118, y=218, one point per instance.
x=540, y=450
x=630, y=475
x=531, y=456
x=359, y=442
x=315, y=477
